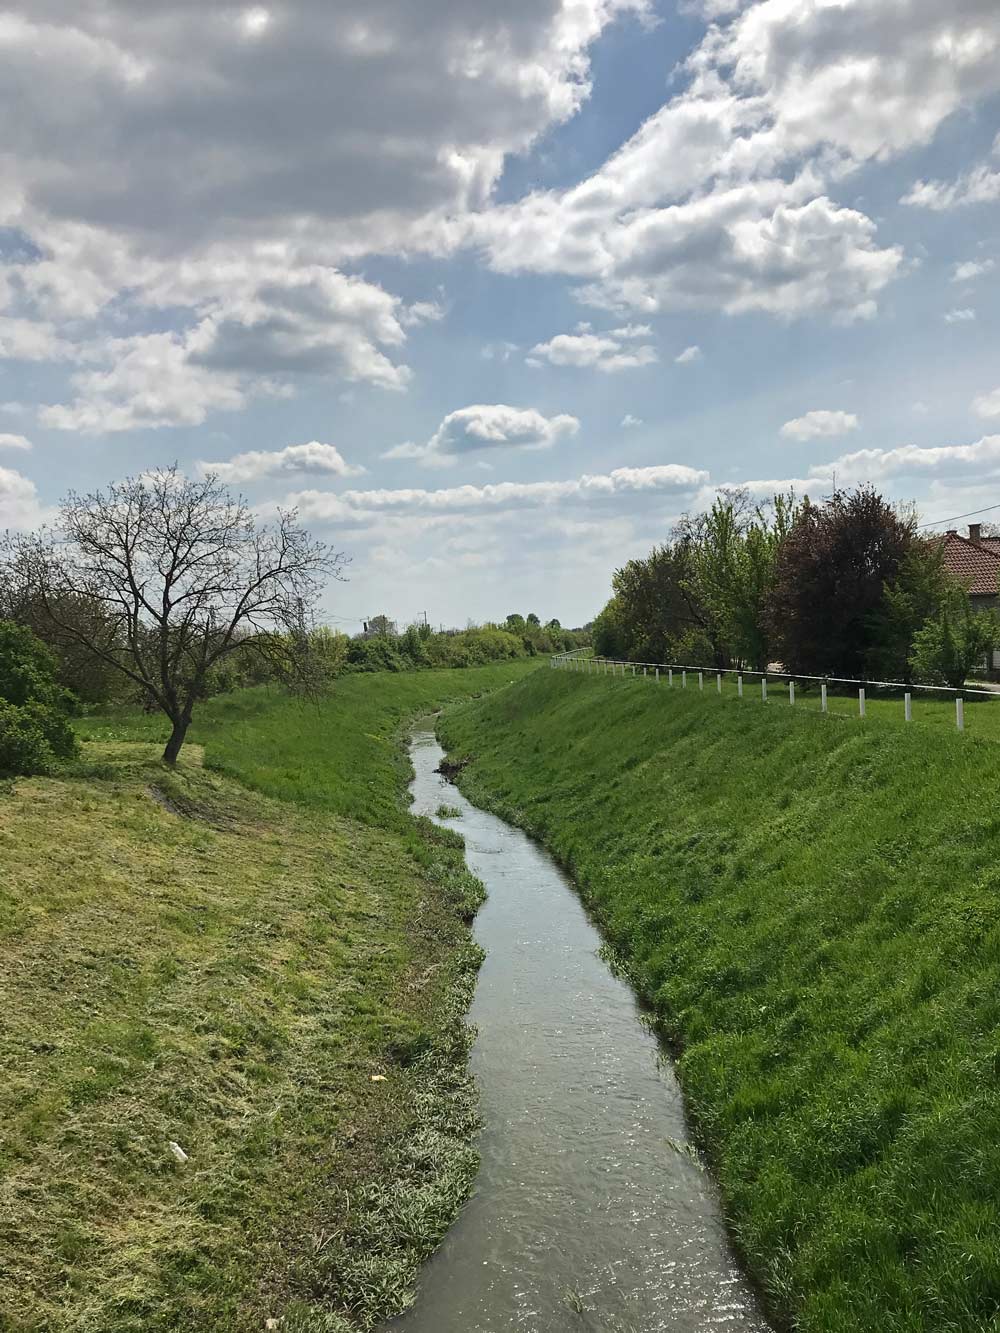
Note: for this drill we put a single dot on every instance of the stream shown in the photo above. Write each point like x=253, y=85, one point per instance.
x=591, y=1213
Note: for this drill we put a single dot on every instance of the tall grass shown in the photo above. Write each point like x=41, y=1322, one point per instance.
x=811, y=906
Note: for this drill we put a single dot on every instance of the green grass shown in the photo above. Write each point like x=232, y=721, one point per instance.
x=340, y=753
x=930, y=708
x=811, y=906
x=272, y=985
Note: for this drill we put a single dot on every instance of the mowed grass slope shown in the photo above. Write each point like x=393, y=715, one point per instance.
x=812, y=905
x=275, y=988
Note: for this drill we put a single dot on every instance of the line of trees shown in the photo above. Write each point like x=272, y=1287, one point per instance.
x=847, y=587
x=163, y=590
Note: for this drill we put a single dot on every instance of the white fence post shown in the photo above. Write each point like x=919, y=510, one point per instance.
x=670, y=676
x=684, y=680
x=861, y=701
x=822, y=696
x=718, y=682
x=701, y=680
x=791, y=692
x=657, y=675
x=633, y=668
x=643, y=670
x=908, y=706
x=959, y=712
x=739, y=686
x=763, y=689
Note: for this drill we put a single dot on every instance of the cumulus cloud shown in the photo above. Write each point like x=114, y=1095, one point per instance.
x=876, y=464
x=20, y=507
x=690, y=354
x=819, y=424
x=13, y=441
x=211, y=118
x=723, y=198
x=963, y=316
x=628, y=421
x=987, y=404
x=971, y=269
x=296, y=458
x=668, y=478
x=487, y=426
x=597, y=351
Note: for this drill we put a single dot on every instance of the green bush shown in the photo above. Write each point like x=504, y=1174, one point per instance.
x=34, y=708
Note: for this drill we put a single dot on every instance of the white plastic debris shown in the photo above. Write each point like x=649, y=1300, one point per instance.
x=177, y=1151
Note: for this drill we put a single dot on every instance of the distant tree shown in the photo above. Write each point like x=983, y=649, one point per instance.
x=734, y=558
x=178, y=575
x=553, y=624
x=515, y=623
x=90, y=679
x=532, y=619
x=831, y=573
x=381, y=627
x=957, y=640
x=657, y=609
x=920, y=591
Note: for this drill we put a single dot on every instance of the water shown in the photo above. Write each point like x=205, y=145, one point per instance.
x=589, y=1214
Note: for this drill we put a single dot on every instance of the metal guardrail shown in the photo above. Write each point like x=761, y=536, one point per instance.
x=579, y=661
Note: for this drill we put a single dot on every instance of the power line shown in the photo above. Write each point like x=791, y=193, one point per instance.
x=971, y=514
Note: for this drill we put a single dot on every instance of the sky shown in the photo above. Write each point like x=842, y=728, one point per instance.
x=493, y=294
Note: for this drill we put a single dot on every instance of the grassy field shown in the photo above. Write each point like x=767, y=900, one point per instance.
x=810, y=905
x=931, y=708
x=232, y=1057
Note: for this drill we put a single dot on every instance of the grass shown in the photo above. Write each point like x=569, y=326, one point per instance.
x=930, y=708
x=811, y=906
x=270, y=984
x=340, y=753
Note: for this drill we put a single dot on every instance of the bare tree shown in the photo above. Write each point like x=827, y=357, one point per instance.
x=179, y=575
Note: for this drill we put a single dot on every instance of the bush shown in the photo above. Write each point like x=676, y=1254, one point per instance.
x=951, y=646
x=24, y=748
x=34, y=727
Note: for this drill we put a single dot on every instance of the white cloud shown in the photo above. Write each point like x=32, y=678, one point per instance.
x=919, y=409
x=692, y=353
x=972, y=268
x=20, y=507
x=987, y=404
x=628, y=421
x=608, y=351
x=819, y=424
x=875, y=464
x=13, y=441
x=487, y=426
x=296, y=458
x=964, y=316
x=670, y=478
x=979, y=186
x=723, y=198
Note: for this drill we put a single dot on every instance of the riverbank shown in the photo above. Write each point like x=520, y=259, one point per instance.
x=810, y=907
x=233, y=1080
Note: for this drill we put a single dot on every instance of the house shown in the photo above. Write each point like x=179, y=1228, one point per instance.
x=975, y=561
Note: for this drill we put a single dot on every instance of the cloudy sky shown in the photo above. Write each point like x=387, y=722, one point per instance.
x=494, y=292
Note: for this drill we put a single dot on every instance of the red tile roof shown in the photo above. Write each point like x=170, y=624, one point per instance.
x=977, y=565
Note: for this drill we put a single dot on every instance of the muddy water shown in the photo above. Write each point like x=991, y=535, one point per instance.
x=589, y=1213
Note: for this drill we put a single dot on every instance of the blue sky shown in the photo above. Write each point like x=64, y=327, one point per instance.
x=494, y=299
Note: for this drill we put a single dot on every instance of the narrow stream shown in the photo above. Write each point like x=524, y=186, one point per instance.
x=590, y=1215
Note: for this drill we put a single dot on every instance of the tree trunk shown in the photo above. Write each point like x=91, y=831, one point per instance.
x=176, y=740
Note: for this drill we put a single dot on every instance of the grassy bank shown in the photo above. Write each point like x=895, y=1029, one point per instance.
x=232, y=1061
x=810, y=904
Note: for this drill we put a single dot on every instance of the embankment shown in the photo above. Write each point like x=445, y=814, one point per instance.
x=233, y=1079
x=811, y=906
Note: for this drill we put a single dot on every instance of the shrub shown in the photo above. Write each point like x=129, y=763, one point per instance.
x=24, y=748
x=34, y=727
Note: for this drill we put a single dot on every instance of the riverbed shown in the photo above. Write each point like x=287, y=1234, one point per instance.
x=592, y=1212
